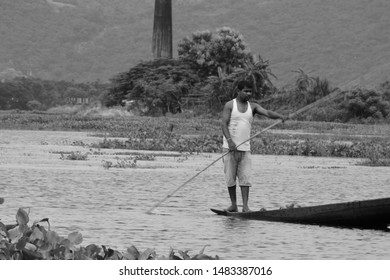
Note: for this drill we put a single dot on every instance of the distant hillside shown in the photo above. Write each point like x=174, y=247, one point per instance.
x=87, y=40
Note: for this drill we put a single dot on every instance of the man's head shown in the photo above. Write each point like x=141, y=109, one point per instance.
x=244, y=90
x=244, y=84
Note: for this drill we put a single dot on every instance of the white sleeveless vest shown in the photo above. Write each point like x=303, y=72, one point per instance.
x=240, y=127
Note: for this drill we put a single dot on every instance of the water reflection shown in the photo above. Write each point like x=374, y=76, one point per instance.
x=231, y=223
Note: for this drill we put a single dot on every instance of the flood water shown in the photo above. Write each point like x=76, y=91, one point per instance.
x=109, y=206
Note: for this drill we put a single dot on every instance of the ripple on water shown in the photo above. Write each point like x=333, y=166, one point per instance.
x=109, y=206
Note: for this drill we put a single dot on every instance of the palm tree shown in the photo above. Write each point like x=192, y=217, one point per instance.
x=162, y=29
x=304, y=82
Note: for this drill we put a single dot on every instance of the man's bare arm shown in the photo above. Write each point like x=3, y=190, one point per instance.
x=268, y=113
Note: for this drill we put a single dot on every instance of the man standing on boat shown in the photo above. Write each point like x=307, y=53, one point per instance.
x=237, y=118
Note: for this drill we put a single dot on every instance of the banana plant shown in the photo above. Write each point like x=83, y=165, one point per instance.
x=256, y=71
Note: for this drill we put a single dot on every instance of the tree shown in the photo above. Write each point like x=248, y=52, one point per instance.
x=156, y=85
x=162, y=29
x=13, y=96
x=225, y=49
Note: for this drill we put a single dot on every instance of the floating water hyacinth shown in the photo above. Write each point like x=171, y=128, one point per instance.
x=23, y=242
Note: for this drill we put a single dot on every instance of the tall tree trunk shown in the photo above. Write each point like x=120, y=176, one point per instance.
x=162, y=29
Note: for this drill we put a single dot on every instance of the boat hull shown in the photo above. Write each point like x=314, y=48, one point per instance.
x=373, y=214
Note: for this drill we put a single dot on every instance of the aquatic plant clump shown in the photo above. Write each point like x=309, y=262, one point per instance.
x=22, y=241
x=75, y=156
x=268, y=144
x=121, y=163
x=272, y=145
x=201, y=135
x=172, y=142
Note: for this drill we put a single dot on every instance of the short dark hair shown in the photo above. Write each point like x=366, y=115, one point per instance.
x=244, y=84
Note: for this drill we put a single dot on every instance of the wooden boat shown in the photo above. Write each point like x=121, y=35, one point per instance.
x=373, y=214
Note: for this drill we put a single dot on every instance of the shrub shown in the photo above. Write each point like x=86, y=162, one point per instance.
x=34, y=105
x=330, y=113
x=319, y=89
x=376, y=156
x=364, y=104
x=75, y=156
x=309, y=89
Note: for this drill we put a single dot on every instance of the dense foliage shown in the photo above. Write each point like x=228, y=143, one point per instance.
x=225, y=49
x=367, y=104
x=155, y=87
x=309, y=89
x=22, y=241
x=37, y=94
x=223, y=87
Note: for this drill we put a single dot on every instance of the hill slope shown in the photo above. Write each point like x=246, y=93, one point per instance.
x=86, y=40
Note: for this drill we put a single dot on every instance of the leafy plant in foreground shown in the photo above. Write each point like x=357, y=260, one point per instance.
x=23, y=242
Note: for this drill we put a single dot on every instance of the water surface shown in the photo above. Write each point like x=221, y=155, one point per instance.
x=108, y=206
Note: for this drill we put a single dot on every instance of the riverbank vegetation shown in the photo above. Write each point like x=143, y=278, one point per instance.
x=200, y=135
